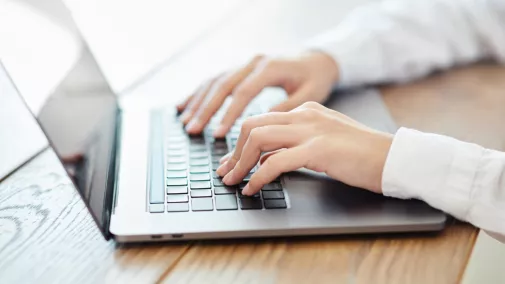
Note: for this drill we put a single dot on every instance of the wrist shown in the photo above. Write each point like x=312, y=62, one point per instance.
x=382, y=145
x=322, y=62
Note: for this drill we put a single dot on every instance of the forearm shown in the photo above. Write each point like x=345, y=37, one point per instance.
x=397, y=41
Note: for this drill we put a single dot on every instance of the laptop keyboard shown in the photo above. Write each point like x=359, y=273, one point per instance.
x=190, y=179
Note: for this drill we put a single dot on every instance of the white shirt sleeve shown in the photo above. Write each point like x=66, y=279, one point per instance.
x=398, y=40
x=462, y=179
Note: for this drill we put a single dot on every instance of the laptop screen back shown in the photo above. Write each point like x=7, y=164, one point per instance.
x=80, y=119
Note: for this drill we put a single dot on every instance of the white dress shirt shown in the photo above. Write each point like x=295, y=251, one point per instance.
x=398, y=41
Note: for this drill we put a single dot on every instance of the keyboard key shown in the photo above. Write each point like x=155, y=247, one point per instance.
x=272, y=186
x=176, y=167
x=177, y=189
x=176, y=153
x=235, y=129
x=157, y=208
x=198, y=148
x=176, y=160
x=275, y=204
x=156, y=195
x=219, y=151
x=214, y=175
x=216, y=159
x=273, y=195
x=196, y=140
x=220, y=144
x=215, y=166
x=225, y=190
x=200, y=184
x=176, y=174
x=217, y=182
x=199, y=162
x=177, y=207
x=226, y=202
x=199, y=169
x=201, y=193
x=178, y=146
x=198, y=177
x=247, y=177
x=246, y=204
x=256, y=195
x=177, y=181
x=176, y=138
x=177, y=198
x=202, y=204
x=242, y=185
x=198, y=155
x=217, y=156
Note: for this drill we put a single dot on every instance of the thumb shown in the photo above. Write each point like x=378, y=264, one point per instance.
x=294, y=100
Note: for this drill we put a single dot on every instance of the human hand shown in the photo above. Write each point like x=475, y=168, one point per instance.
x=306, y=78
x=310, y=136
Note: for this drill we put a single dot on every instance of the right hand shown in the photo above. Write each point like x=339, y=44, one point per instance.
x=309, y=77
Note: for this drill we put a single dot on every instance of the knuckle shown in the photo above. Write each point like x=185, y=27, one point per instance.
x=257, y=58
x=244, y=90
x=247, y=125
x=255, y=136
x=310, y=113
x=269, y=65
x=311, y=105
x=271, y=163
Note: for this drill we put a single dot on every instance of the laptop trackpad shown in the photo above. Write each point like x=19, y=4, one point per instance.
x=308, y=190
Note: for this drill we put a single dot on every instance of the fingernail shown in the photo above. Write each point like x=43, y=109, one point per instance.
x=227, y=178
x=185, y=117
x=245, y=191
x=220, y=170
x=193, y=126
x=220, y=131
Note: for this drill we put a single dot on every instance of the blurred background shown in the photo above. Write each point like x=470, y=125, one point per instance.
x=39, y=46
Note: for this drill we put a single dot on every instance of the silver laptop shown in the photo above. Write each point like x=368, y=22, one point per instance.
x=144, y=179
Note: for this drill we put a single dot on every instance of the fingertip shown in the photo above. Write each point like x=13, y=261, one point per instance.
x=220, y=131
x=221, y=170
x=194, y=126
x=185, y=117
x=246, y=190
x=227, y=178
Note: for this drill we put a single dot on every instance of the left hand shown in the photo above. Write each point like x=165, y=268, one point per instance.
x=310, y=136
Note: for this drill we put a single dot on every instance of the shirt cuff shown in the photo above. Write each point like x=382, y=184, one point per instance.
x=347, y=53
x=436, y=169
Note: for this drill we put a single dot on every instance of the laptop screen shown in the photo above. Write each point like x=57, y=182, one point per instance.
x=80, y=120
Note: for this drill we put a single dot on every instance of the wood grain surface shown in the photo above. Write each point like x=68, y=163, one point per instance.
x=48, y=236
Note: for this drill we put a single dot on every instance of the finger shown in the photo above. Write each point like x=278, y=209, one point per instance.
x=248, y=125
x=243, y=94
x=182, y=105
x=217, y=95
x=263, y=139
x=264, y=157
x=225, y=158
x=282, y=162
x=197, y=100
x=294, y=100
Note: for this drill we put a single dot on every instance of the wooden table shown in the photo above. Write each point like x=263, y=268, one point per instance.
x=47, y=235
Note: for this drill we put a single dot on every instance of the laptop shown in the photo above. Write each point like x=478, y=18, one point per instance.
x=144, y=179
